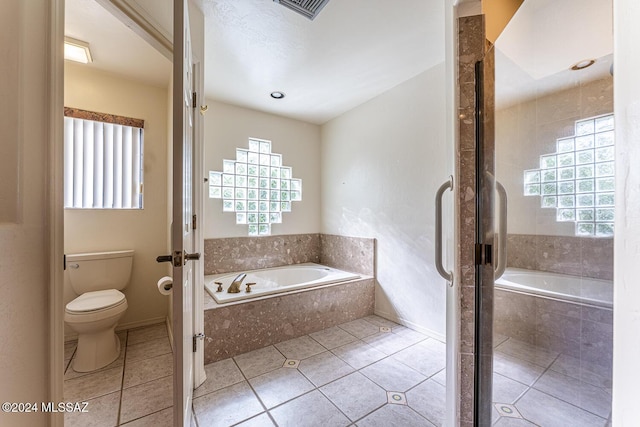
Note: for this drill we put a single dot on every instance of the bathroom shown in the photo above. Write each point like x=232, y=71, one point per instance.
x=399, y=168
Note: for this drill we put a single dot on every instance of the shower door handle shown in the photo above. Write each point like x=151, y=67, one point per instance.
x=447, y=275
x=501, y=263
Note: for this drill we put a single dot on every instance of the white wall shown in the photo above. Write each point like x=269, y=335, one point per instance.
x=626, y=323
x=144, y=231
x=228, y=127
x=382, y=164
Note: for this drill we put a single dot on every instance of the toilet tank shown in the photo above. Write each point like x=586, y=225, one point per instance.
x=99, y=270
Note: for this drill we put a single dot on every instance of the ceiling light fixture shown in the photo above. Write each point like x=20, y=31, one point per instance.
x=583, y=64
x=277, y=95
x=77, y=50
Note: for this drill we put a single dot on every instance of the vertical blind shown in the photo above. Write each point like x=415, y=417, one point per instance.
x=102, y=165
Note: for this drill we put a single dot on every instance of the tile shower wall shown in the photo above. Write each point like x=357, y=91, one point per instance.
x=578, y=256
x=583, y=332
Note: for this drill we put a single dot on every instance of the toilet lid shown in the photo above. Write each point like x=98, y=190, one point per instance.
x=96, y=300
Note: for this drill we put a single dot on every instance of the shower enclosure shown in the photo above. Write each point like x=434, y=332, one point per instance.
x=548, y=136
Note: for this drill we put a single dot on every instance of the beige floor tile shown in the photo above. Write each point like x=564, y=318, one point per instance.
x=227, y=406
x=300, y=348
x=276, y=387
x=147, y=349
x=360, y=328
x=428, y=399
x=355, y=395
x=260, y=361
x=145, y=370
x=323, y=368
x=394, y=415
x=358, y=354
x=333, y=337
x=162, y=418
x=309, y=410
x=219, y=375
x=93, y=385
x=392, y=375
x=147, y=398
x=147, y=333
x=101, y=412
x=261, y=420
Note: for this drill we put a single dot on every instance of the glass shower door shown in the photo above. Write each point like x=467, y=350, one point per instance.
x=551, y=311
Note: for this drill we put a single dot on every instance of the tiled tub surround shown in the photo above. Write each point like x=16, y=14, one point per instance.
x=224, y=255
x=242, y=326
x=578, y=256
x=238, y=327
x=580, y=331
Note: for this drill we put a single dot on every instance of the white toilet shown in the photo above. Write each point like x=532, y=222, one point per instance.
x=97, y=278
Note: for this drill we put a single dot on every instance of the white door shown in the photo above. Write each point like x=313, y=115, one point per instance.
x=182, y=234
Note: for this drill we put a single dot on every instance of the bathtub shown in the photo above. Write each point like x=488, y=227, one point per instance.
x=581, y=290
x=270, y=281
x=560, y=313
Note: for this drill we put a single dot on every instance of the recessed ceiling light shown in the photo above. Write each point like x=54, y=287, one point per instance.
x=583, y=64
x=77, y=50
x=277, y=95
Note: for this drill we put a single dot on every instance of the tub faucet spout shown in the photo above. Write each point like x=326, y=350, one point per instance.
x=234, y=288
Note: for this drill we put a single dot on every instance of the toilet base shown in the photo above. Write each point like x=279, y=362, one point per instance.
x=96, y=350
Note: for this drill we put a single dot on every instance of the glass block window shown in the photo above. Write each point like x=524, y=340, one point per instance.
x=256, y=187
x=578, y=180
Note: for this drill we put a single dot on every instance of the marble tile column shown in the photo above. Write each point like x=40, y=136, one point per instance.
x=471, y=49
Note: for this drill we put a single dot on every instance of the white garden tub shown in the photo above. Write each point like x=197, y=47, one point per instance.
x=582, y=290
x=275, y=280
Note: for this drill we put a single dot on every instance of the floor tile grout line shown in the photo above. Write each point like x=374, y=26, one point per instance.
x=124, y=361
x=555, y=397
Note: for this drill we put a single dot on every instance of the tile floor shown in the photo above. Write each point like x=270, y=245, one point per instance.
x=135, y=390
x=537, y=387
x=368, y=372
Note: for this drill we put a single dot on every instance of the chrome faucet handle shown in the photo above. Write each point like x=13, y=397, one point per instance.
x=249, y=285
x=219, y=286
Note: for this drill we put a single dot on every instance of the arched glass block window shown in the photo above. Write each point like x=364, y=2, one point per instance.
x=256, y=187
x=578, y=180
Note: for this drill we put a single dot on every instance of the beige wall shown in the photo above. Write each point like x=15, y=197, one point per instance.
x=530, y=129
x=26, y=276
x=228, y=127
x=144, y=231
x=382, y=163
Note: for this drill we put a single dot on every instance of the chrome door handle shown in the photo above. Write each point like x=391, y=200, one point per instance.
x=191, y=257
x=501, y=263
x=447, y=275
x=164, y=258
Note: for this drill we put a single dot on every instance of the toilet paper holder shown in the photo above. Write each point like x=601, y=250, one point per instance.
x=165, y=285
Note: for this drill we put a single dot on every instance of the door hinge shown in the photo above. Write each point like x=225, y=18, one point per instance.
x=194, y=99
x=194, y=222
x=195, y=341
x=484, y=254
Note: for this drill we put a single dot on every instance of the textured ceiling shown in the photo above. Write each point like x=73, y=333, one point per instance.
x=353, y=51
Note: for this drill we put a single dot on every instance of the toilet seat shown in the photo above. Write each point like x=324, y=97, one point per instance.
x=96, y=301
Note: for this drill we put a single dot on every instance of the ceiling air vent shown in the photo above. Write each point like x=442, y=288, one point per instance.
x=307, y=8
